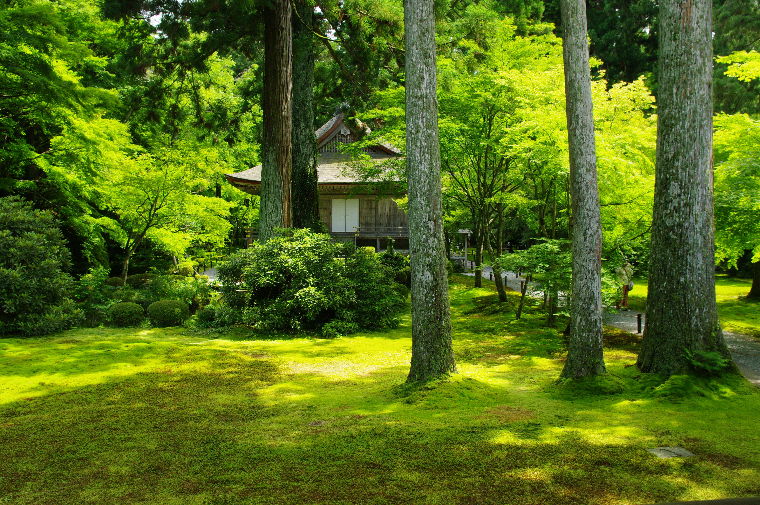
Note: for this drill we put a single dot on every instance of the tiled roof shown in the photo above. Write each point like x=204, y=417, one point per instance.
x=332, y=168
x=326, y=127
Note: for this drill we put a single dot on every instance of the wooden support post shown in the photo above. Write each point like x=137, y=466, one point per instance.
x=638, y=323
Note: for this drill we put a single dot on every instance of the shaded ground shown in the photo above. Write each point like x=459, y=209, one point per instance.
x=745, y=350
x=168, y=416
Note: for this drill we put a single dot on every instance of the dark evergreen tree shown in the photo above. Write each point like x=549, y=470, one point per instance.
x=304, y=178
x=585, y=356
x=276, y=207
x=682, y=316
x=432, y=353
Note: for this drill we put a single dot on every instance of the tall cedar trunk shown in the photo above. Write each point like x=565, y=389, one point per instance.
x=585, y=356
x=681, y=309
x=754, y=291
x=304, y=182
x=432, y=354
x=276, y=107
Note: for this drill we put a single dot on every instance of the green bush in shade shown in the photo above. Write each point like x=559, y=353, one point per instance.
x=138, y=281
x=116, y=282
x=125, y=314
x=35, y=288
x=168, y=313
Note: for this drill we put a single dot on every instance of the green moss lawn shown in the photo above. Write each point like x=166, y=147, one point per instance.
x=737, y=314
x=156, y=416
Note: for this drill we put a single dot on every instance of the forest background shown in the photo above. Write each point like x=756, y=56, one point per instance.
x=122, y=117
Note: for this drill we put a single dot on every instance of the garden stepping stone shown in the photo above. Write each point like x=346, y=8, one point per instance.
x=670, y=452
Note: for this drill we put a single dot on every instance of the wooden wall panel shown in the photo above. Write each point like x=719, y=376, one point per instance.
x=389, y=214
x=367, y=213
x=325, y=210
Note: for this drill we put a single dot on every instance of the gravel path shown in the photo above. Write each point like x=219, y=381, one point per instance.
x=745, y=350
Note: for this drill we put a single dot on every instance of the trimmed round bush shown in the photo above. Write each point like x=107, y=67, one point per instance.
x=116, y=282
x=168, y=313
x=124, y=314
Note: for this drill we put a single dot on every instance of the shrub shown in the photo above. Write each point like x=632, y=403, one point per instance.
x=378, y=301
x=35, y=290
x=226, y=316
x=93, y=295
x=168, y=313
x=194, y=291
x=303, y=280
x=338, y=329
x=186, y=268
x=115, y=282
x=138, y=281
x=398, y=266
x=206, y=317
x=125, y=314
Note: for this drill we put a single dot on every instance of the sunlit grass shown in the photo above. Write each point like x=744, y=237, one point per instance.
x=737, y=314
x=169, y=416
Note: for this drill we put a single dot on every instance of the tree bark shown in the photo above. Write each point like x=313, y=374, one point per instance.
x=754, y=291
x=523, y=291
x=681, y=309
x=495, y=253
x=276, y=107
x=304, y=180
x=125, y=266
x=585, y=356
x=432, y=353
x=479, y=236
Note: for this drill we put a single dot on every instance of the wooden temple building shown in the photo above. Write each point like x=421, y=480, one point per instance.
x=351, y=208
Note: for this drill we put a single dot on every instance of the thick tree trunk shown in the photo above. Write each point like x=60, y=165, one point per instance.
x=276, y=107
x=681, y=309
x=432, y=354
x=304, y=181
x=754, y=292
x=585, y=356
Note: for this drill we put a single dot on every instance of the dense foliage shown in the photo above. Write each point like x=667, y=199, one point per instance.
x=168, y=313
x=303, y=280
x=34, y=283
x=121, y=118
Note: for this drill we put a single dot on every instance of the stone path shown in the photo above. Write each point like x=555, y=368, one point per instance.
x=745, y=350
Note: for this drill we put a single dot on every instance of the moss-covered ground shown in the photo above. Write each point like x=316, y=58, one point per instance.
x=171, y=416
x=737, y=314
